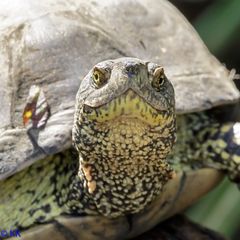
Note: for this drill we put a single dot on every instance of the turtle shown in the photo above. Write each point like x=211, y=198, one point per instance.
x=108, y=126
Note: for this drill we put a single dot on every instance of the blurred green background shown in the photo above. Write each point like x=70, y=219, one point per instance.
x=218, y=23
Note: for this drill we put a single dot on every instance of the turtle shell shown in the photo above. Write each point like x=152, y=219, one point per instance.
x=54, y=44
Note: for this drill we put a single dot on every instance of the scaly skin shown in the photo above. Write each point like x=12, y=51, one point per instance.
x=27, y=199
x=124, y=131
x=203, y=141
x=122, y=161
x=35, y=194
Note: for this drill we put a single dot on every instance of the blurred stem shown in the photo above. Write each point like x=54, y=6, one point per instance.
x=218, y=24
x=219, y=210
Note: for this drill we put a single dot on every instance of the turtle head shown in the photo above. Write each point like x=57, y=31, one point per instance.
x=124, y=128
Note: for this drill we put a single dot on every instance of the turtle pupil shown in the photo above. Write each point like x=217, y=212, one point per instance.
x=160, y=80
x=96, y=76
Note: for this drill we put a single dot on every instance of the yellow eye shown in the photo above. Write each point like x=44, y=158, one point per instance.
x=158, y=78
x=99, y=77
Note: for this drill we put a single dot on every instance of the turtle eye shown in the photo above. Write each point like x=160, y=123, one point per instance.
x=158, y=78
x=99, y=77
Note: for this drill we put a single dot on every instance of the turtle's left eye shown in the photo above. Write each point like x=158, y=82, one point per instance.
x=158, y=78
x=99, y=77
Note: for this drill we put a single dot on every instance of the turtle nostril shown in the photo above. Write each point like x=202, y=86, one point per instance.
x=132, y=69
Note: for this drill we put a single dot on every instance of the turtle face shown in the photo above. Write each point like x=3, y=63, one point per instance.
x=109, y=80
x=124, y=127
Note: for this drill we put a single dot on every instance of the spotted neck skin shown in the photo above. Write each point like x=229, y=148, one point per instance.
x=122, y=159
x=124, y=128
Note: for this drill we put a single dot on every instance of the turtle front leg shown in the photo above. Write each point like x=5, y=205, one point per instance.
x=225, y=147
x=211, y=143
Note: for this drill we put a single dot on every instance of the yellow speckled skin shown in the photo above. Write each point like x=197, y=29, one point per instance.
x=124, y=134
x=30, y=195
x=123, y=143
x=209, y=143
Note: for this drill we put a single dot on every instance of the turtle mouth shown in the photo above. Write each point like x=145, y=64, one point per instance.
x=129, y=106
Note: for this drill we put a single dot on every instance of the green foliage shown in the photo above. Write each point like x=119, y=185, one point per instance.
x=219, y=210
x=219, y=25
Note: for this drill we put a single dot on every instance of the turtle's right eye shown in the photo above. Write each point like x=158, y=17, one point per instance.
x=99, y=77
x=158, y=78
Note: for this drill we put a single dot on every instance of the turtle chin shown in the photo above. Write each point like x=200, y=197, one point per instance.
x=122, y=148
x=129, y=105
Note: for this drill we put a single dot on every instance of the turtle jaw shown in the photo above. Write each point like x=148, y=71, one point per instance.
x=128, y=106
